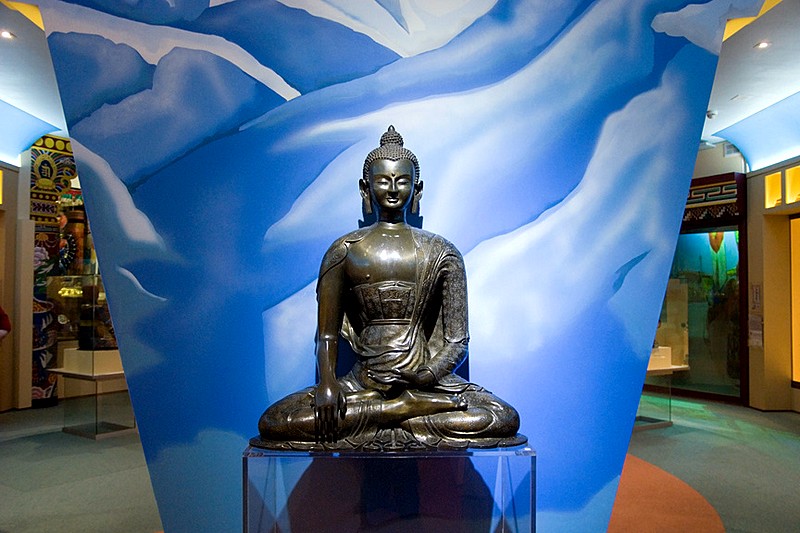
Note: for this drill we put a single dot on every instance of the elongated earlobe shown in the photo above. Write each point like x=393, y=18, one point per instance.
x=366, y=199
x=415, y=200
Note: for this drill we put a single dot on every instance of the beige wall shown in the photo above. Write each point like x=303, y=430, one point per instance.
x=8, y=218
x=712, y=161
x=16, y=284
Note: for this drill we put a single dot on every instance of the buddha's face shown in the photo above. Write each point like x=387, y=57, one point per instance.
x=391, y=184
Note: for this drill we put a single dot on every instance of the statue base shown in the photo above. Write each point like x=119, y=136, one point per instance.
x=443, y=490
x=390, y=440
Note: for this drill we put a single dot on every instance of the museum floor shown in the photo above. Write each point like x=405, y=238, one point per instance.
x=745, y=463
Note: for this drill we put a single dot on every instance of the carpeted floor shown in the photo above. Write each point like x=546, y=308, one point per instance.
x=718, y=468
x=59, y=482
x=53, y=481
x=650, y=499
x=745, y=462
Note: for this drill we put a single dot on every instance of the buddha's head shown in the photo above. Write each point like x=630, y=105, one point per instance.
x=390, y=179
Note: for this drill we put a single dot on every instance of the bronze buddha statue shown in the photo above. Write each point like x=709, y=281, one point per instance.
x=398, y=295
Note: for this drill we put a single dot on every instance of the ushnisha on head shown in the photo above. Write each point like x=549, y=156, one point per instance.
x=386, y=163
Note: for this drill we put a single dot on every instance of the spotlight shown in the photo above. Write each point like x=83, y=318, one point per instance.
x=5, y=34
x=762, y=44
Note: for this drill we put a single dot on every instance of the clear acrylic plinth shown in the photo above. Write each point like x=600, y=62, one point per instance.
x=99, y=416
x=480, y=490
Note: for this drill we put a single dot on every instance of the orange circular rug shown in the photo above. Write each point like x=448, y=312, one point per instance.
x=654, y=501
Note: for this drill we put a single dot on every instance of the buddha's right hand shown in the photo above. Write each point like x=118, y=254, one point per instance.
x=329, y=406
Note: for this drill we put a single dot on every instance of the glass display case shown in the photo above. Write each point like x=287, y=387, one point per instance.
x=707, y=263
x=773, y=191
x=669, y=357
x=89, y=363
x=92, y=381
x=792, y=184
x=81, y=311
x=671, y=346
x=782, y=188
x=708, y=282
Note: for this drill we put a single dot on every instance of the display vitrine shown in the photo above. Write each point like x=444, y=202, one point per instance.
x=705, y=309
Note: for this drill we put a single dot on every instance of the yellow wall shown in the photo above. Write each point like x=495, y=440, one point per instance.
x=30, y=11
x=770, y=272
x=735, y=25
x=795, y=252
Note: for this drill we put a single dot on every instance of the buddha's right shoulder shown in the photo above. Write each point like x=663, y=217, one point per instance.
x=338, y=250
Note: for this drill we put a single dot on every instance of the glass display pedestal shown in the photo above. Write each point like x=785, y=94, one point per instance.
x=438, y=491
x=655, y=409
x=104, y=408
x=99, y=416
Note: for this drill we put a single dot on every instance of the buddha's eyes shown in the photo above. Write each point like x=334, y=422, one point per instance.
x=387, y=182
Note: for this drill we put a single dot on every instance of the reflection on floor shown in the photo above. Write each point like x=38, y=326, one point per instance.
x=744, y=462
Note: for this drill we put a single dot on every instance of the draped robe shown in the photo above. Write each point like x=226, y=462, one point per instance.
x=397, y=325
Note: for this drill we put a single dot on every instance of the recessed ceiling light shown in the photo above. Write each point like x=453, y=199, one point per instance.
x=762, y=44
x=5, y=34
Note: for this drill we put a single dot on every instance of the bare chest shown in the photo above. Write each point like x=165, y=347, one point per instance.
x=382, y=255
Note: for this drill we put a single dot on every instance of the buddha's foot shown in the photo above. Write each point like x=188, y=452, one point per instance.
x=421, y=403
x=362, y=396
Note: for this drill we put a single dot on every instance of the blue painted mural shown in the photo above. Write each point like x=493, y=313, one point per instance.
x=219, y=148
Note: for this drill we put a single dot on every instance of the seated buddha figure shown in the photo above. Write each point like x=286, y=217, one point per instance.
x=398, y=295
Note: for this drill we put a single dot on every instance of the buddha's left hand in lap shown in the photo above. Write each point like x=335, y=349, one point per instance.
x=420, y=379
